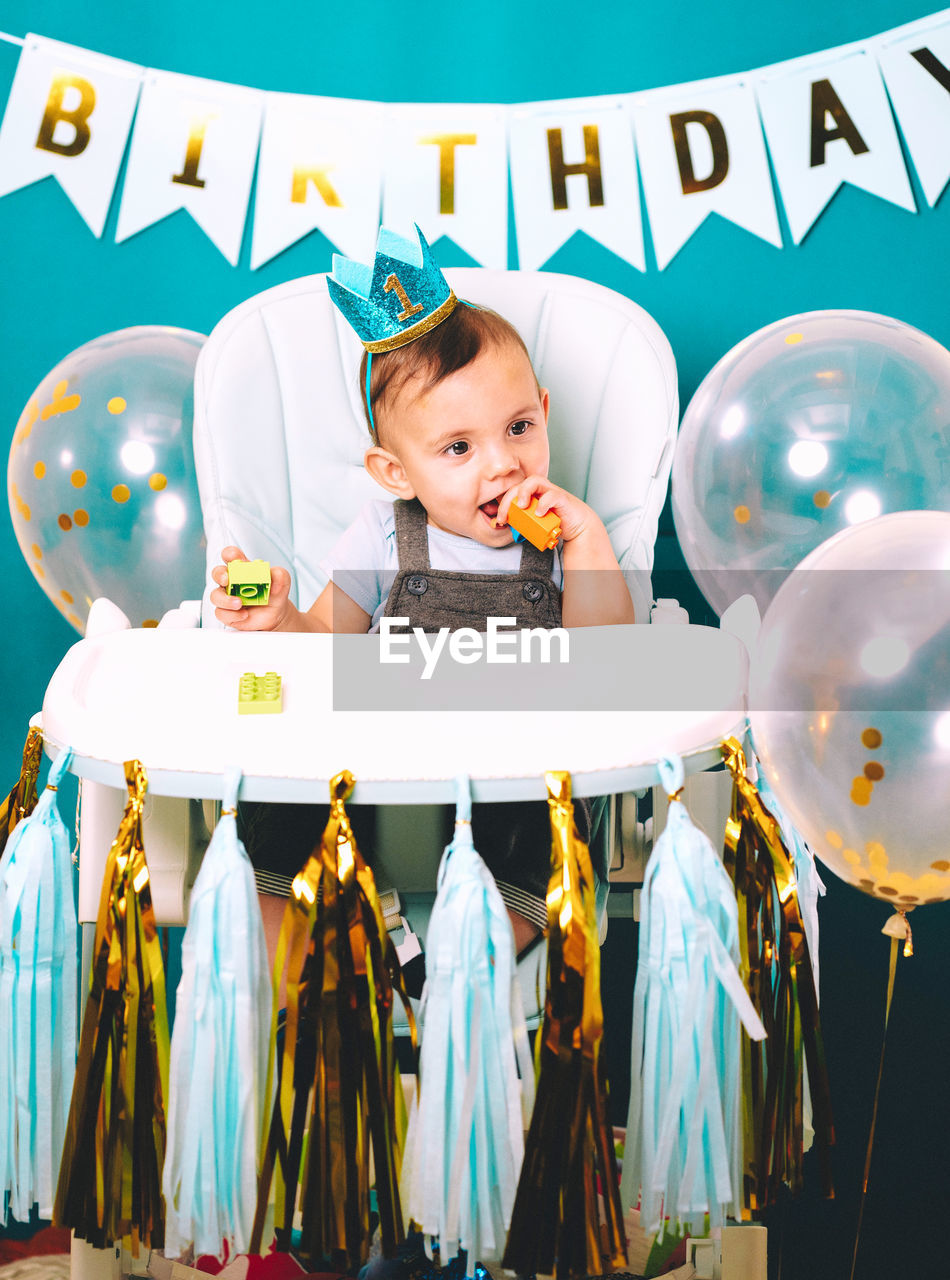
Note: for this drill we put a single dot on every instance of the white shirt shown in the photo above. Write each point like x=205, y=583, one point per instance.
x=365, y=560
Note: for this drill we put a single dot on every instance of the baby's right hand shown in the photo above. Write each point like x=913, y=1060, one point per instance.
x=234, y=613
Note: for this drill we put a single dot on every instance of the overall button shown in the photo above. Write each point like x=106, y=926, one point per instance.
x=532, y=591
x=417, y=585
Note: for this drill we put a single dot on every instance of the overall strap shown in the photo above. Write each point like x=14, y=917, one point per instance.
x=412, y=534
x=412, y=543
x=535, y=563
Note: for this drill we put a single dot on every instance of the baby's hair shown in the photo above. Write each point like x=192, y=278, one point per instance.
x=444, y=350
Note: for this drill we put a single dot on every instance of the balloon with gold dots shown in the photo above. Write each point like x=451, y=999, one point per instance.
x=807, y=427
x=850, y=705
x=101, y=478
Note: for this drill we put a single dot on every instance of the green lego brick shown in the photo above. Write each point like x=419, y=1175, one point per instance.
x=260, y=695
x=249, y=579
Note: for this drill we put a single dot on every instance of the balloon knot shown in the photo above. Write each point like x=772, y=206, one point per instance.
x=908, y=937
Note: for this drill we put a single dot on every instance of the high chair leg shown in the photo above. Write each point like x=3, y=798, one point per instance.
x=87, y=1263
x=175, y=834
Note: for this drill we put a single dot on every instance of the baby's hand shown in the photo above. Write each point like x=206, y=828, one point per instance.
x=234, y=613
x=575, y=516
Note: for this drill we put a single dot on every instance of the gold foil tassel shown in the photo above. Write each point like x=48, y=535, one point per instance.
x=338, y=1092
x=777, y=971
x=21, y=801
x=110, y=1180
x=569, y=1175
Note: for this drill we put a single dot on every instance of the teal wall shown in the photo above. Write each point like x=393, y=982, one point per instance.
x=61, y=287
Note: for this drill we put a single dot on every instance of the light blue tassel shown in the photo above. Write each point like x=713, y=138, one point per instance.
x=219, y=1049
x=38, y=1003
x=465, y=1142
x=683, y=1153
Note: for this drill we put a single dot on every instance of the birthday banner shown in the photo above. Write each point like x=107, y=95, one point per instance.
x=748, y=147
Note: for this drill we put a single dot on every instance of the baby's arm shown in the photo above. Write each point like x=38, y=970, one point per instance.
x=333, y=609
x=595, y=593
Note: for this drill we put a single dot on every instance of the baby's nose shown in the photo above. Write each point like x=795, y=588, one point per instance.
x=502, y=460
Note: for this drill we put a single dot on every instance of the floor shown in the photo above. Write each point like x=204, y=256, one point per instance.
x=42, y=1255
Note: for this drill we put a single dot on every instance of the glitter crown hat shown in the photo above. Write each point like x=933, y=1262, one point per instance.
x=400, y=298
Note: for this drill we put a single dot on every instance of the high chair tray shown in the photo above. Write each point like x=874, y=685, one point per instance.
x=625, y=697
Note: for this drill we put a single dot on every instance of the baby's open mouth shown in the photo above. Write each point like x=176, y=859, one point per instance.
x=490, y=508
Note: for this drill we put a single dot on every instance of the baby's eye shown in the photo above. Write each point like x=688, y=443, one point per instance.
x=520, y=427
x=458, y=448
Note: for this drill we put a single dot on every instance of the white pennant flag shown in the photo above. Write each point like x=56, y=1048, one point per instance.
x=447, y=169
x=828, y=121
x=916, y=70
x=319, y=169
x=573, y=169
x=68, y=116
x=701, y=151
x=193, y=147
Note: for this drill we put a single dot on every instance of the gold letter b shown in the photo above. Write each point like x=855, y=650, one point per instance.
x=77, y=116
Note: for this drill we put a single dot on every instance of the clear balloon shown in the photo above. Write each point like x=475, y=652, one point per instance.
x=850, y=704
x=810, y=426
x=101, y=477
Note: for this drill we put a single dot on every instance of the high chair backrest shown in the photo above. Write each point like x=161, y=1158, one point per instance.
x=280, y=432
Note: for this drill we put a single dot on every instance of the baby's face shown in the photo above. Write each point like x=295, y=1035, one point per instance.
x=466, y=441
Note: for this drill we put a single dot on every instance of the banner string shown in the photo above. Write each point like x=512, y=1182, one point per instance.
x=5, y=35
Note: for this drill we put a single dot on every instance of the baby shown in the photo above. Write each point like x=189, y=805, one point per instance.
x=459, y=425
x=459, y=432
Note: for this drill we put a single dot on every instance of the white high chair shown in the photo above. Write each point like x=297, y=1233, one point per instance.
x=280, y=435
x=280, y=431
x=279, y=443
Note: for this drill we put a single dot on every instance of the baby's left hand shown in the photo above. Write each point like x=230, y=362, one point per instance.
x=576, y=517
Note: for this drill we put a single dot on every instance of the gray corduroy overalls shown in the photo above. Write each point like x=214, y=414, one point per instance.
x=515, y=838
x=436, y=598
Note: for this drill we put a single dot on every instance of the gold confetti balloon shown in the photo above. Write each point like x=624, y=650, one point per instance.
x=810, y=426
x=850, y=704
x=101, y=478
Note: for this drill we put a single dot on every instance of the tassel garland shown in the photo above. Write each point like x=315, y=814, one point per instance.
x=21, y=801
x=110, y=1180
x=38, y=997
x=465, y=1145
x=683, y=1153
x=810, y=884
x=569, y=1170
x=338, y=1092
x=219, y=1048
x=778, y=973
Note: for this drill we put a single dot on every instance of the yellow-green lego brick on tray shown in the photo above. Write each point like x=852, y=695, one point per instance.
x=249, y=579
x=260, y=695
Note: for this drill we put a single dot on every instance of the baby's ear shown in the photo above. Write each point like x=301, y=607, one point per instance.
x=387, y=470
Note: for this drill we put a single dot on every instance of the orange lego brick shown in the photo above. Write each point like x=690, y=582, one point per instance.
x=544, y=532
